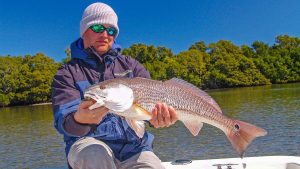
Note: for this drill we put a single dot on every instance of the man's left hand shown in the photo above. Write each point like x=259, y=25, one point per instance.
x=163, y=116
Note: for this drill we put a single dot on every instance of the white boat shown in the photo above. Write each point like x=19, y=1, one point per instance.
x=262, y=162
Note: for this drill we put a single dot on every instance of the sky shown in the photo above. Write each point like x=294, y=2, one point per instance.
x=31, y=26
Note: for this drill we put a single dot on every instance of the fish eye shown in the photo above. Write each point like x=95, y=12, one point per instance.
x=236, y=127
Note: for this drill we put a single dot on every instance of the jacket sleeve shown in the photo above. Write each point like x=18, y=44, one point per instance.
x=65, y=99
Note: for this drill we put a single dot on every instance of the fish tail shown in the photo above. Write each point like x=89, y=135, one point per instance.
x=242, y=135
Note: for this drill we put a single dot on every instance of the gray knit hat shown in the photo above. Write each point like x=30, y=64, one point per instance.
x=98, y=13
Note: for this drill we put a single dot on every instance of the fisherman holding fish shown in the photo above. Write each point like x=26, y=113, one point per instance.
x=96, y=138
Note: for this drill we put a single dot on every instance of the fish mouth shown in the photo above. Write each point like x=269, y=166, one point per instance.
x=93, y=96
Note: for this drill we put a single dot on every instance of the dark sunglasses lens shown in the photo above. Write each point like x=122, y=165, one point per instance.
x=98, y=28
x=111, y=31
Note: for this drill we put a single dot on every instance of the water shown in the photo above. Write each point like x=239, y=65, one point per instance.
x=29, y=140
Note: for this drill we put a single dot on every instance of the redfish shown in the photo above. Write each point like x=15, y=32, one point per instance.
x=135, y=98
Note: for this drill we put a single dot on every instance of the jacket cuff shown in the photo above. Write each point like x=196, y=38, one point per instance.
x=74, y=128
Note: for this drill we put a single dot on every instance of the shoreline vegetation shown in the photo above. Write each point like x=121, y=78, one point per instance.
x=26, y=80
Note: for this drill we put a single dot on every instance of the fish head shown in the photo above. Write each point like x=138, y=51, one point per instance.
x=116, y=97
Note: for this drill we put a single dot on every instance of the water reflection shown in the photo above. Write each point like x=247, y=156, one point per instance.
x=29, y=140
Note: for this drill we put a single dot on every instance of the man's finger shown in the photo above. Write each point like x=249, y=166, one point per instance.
x=86, y=104
x=173, y=115
x=97, y=114
x=160, y=115
x=166, y=115
x=100, y=110
x=153, y=120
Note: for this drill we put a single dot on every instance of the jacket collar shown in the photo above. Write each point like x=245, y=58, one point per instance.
x=90, y=55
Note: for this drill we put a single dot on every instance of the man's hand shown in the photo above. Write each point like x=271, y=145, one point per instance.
x=86, y=116
x=163, y=116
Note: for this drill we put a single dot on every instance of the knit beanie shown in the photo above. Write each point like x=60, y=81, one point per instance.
x=98, y=13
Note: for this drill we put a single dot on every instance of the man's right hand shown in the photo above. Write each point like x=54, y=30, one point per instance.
x=86, y=116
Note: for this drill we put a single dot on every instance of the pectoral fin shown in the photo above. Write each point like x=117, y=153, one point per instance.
x=136, y=112
x=137, y=126
x=135, y=117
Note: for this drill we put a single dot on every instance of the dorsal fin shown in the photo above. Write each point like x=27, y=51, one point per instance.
x=195, y=90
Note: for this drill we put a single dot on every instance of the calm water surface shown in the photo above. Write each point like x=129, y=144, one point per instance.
x=29, y=140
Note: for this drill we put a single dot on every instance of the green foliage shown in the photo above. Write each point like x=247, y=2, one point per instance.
x=189, y=65
x=26, y=80
x=4, y=100
x=281, y=62
x=229, y=67
x=224, y=64
x=199, y=46
x=152, y=57
x=68, y=58
x=144, y=53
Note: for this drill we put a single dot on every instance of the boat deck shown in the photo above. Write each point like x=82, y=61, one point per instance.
x=264, y=162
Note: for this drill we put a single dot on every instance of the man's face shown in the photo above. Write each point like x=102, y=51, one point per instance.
x=102, y=42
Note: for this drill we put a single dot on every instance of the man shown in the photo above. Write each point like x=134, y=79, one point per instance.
x=96, y=138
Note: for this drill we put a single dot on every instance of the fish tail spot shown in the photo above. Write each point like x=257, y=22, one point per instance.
x=242, y=135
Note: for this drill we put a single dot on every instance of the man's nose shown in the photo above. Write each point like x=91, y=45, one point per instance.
x=104, y=33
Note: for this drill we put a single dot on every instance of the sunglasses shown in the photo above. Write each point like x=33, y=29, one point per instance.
x=111, y=31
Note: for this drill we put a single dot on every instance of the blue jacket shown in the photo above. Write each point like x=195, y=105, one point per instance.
x=85, y=69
